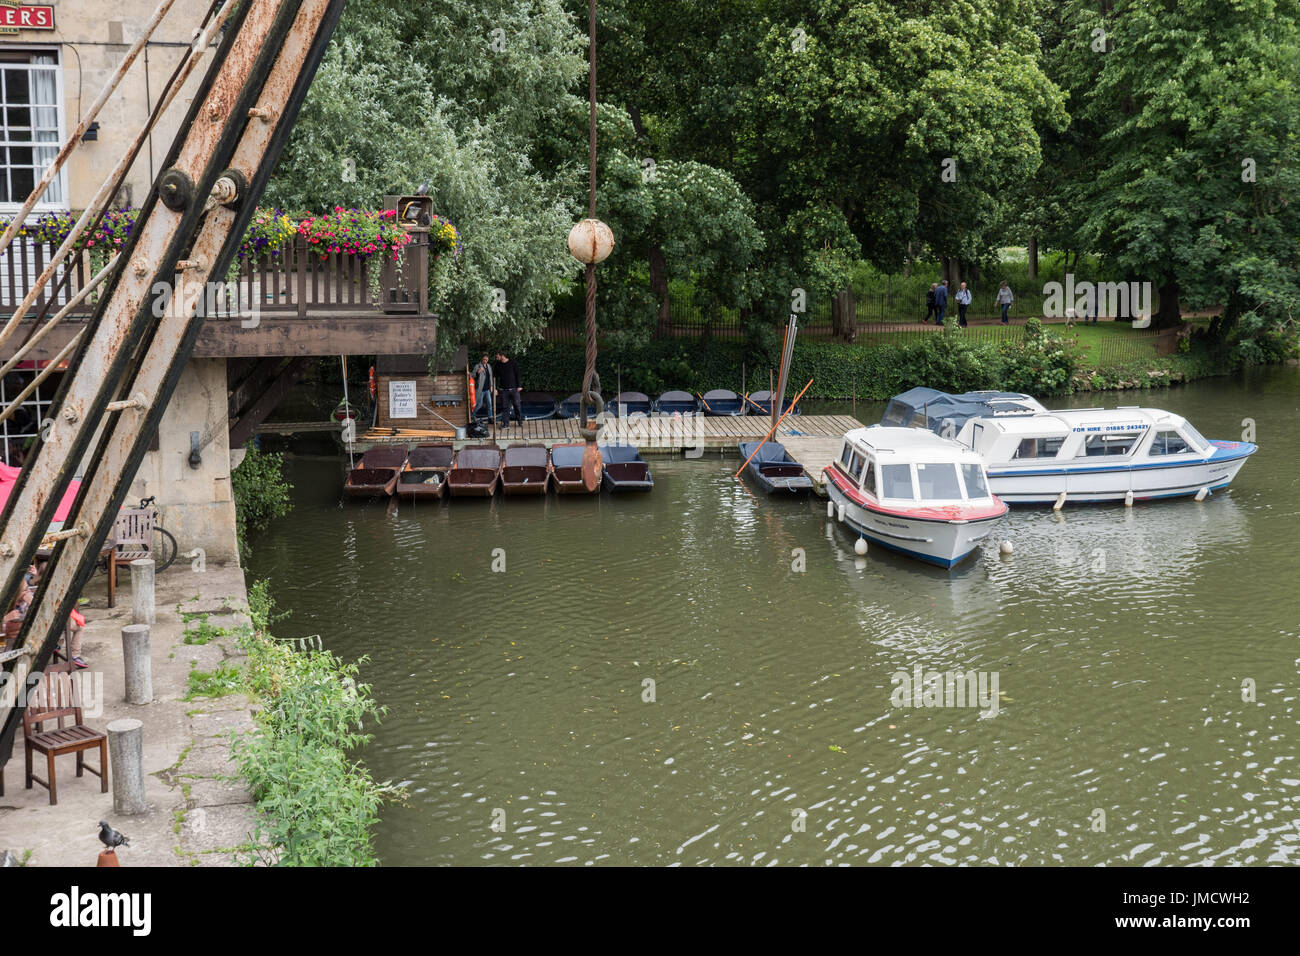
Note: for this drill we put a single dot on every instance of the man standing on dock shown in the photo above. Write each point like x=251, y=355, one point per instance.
x=507, y=375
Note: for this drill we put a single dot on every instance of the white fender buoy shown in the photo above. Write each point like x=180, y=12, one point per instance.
x=1006, y=547
x=830, y=509
x=840, y=512
x=1128, y=500
x=860, y=547
x=1200, y=495
x=1060, y=502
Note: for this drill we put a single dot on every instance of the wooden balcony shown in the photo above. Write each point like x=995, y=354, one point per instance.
x=289, y=303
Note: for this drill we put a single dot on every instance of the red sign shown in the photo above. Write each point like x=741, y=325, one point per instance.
x=26, y=17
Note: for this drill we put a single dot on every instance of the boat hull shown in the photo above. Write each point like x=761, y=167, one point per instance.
x=471, y=483
x=368, y=482
x=942, y=542
x=627, y=476
x=524, y=480
x=1096, y=484
x=412, y=484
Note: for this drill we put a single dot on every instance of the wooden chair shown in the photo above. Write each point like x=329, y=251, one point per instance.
x=57, y=698
x=132, y=538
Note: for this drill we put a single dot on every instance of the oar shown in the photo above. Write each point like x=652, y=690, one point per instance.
x=773, y=429
x=755, y=404
x=701, y=398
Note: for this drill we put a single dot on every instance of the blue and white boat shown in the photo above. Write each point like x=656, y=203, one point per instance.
x=572, y=406
x=760, y=403
x=912, y=492
x=723, y=402
x=945, y=414
x=626, y=404
x=1097, y=455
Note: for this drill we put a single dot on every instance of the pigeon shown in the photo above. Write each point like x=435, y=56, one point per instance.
x=110, y=837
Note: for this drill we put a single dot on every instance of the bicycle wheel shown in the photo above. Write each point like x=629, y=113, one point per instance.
x=164, y=550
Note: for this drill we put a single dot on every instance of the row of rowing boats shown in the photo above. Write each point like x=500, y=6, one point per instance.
x=432, y=470
x=720, y=402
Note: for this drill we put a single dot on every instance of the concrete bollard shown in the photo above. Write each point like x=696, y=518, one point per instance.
x=137, y=666
x=126, y=758
x=142, y=609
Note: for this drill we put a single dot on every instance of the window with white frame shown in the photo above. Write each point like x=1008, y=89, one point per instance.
x=18, y=432
x=30, y=125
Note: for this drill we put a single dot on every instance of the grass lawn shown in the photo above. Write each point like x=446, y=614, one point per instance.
x=1105, y=343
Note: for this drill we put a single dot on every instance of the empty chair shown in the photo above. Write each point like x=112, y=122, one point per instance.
x=57, y=698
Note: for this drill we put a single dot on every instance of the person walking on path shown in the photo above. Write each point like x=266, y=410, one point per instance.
x=1004, y=300
x=508, y=384
x=963, y=303
x=929, y=303
x=482, y=373
x=941, y=300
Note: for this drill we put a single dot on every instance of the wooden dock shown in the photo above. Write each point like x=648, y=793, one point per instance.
x=818, y=435
x=815, y=452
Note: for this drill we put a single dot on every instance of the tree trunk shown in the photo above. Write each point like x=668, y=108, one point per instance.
x=973, y=273
x=659, y=286
x=1033, y=257
x=844, y=315
x=1169, y=315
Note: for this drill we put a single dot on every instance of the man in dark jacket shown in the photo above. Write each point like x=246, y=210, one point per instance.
x=929, y=303
x=508, y=384
x=941, y=301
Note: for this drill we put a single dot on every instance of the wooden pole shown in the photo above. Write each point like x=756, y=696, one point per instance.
x=773, y=429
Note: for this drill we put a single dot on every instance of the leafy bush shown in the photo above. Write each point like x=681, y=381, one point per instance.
x=317, y=806
x=260, y=492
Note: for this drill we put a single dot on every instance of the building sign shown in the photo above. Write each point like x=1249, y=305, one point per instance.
x=401, y=399
x=22, y=16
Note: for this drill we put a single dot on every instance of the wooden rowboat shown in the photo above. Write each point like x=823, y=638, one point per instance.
x=375, y=472
x=566, y=469
x=625, y=469
x=475, y=472
x=526, y=470
x=425, y=472
x=773, y=468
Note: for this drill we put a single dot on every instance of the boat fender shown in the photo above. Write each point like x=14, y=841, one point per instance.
x=1200, y=495
x=374, y=389
x=1128, y=500
x=1006, y=547
x=473, y=399
x=830, y=509
x=860, y=547
x=840, y=512
x=1060, y=502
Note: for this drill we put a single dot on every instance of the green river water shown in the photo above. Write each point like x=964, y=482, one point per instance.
x=1125, y=644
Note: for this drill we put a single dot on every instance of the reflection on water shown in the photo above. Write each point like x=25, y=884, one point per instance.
x=1121, y=639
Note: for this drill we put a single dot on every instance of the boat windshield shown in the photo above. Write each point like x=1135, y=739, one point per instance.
x=896, y=482
x=976, y=486
x=938, y=481
x=1169, y=443
x=1198, y=440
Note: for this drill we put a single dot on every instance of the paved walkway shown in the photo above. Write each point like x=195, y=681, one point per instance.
x=198, y=815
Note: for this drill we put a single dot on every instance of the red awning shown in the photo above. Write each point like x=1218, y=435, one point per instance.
x=9, y=475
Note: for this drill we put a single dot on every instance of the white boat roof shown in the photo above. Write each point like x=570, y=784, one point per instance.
x=1063, y=421
x=890, y=443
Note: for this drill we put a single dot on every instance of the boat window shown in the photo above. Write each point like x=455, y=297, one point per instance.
x=1169, y=443
x=1119, y=443
x=976, y=486
x=845, y=453
x=869, y=478
x=938, y=480
x=1038, y=447
x=1196, y=439
x=855, y=464
x=896, y=481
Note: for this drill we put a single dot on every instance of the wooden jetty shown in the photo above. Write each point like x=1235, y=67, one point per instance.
x=815, y=452
x=656, y=436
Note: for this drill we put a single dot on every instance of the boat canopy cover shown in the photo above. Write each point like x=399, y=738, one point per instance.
x=631, y=398
x=431, y=456
x=619, y=454
x=720, y=395
x=770, y=453
x=384, y=456
x=567, y=456
x=930, y=408
x=526, y=456
x=677, y=395
x=478, y=458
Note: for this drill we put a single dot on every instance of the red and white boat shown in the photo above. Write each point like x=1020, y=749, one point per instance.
x=913, y=492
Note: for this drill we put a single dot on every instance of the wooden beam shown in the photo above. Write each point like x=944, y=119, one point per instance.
x=242, y=430
x=367, y=333
x=253, y=384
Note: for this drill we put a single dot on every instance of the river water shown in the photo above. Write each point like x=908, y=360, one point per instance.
x=654, y=680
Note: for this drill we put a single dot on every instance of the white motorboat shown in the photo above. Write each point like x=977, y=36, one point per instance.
x=913, y=492
x=1097, y=455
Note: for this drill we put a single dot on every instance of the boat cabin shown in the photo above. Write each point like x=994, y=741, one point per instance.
x=1065, y=437
x=904, y=467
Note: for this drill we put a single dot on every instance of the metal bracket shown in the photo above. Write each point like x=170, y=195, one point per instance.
x=176, y=190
